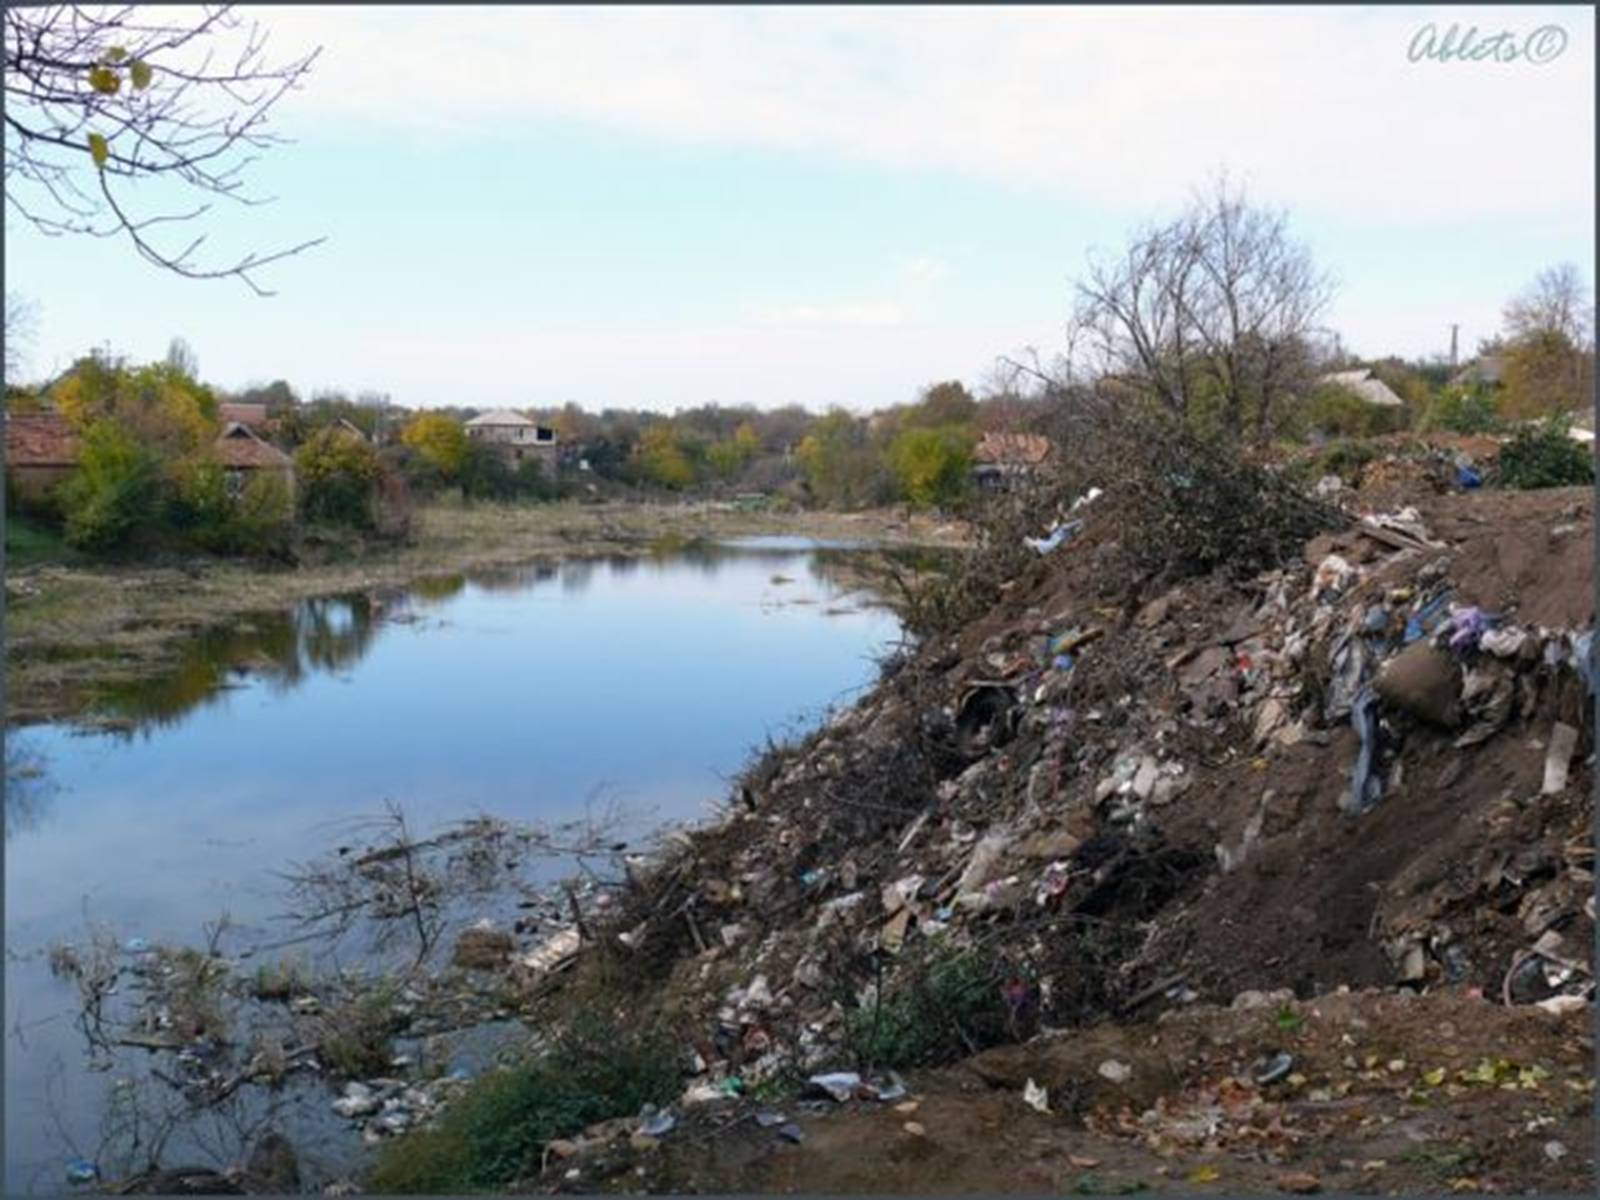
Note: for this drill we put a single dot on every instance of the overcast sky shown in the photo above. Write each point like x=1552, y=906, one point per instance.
x=667, y=206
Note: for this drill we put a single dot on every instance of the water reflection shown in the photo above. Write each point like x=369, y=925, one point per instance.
x=331, y=634
x=325, y=635
x=29, y=789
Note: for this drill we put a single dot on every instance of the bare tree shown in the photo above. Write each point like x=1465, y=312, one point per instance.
x=181, y=357
x=1555, y=302
x=21, y=320
x=101, y=99
x=1213, y=315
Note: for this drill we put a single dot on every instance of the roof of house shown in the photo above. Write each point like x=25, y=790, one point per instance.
x=1021, y=449
x=500, y=416
x=1365, y=384
x=245, y=414
x=239, y=447
x=1485, y=369
x=41, y=440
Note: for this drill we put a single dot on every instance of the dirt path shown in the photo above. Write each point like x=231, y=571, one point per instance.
x=1386, y=1093
x=70, y=627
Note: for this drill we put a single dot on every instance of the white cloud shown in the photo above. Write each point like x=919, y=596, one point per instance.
x=1317, y=107
x=826, y=314
x=924, y=271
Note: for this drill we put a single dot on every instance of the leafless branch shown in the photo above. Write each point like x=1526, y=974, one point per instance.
x=129, y=100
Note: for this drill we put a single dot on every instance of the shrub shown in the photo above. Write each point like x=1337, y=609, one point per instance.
x=355, y=1035
x=201, y=508
x=339, y=475
x=1463, y=411
x=1545, y=455
x=933, y=466
x=495, y=1131
x=485, y=475
x=942, y=1010
x=1339, y=412
x=1188, y=504
x=116, y=491
x=263, y=515
x=1345, y=459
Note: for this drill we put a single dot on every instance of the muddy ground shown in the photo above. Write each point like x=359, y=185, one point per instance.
x=1387, y=1094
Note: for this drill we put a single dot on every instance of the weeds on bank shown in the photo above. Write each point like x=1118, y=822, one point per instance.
x=354, y=1036
x=496, y=1131
x=938, y=1010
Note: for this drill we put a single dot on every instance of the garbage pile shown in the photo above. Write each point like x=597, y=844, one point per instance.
x=1369, y=767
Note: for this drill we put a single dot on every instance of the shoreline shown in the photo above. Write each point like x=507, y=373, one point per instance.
x=71, y=627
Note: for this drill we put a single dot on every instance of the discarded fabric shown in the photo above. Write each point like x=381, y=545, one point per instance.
x=1366, y=788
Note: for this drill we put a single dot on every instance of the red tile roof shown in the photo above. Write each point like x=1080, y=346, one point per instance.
x=253, y=415
x=238, y=447
x=1019, y=449
x=41, y=440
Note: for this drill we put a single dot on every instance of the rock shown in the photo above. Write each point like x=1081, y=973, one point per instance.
x=1204, y=665
x=1117, y=1072
x=1425, y=682
x=1155, y=612
x=1299, y=1182
x=482, y=949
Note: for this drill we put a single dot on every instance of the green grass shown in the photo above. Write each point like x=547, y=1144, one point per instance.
x=495, y=1131
x=29, y=541
x=939, y=1011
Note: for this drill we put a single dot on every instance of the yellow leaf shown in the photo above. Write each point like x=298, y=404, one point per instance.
x=98, y=149
x=141, y=73
x=114, y=55
x=1204, y=1175
x=1434, y=1077
x=105, y=81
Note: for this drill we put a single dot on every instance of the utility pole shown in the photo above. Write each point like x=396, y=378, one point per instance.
x=1454, y=330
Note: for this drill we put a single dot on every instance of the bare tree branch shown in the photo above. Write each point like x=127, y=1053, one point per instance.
x=127, y=99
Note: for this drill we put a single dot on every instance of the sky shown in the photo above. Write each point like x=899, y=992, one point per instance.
x=664, y=207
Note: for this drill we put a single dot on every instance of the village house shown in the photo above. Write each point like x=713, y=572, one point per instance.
x=42, y=449
x=1002, y=458
x=1365, y=384
x=517, y=439
x=251, y=416
x=244, y=454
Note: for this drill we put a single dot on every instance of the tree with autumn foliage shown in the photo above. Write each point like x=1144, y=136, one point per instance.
x=440, y=439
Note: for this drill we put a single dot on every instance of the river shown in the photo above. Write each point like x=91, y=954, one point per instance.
x=625, y=688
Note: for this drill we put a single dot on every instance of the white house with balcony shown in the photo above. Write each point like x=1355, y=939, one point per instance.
x=516, y=437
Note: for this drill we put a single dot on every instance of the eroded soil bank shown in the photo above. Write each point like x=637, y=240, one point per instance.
x=1272, y=883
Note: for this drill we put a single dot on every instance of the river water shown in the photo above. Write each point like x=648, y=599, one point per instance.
x=630, y=688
